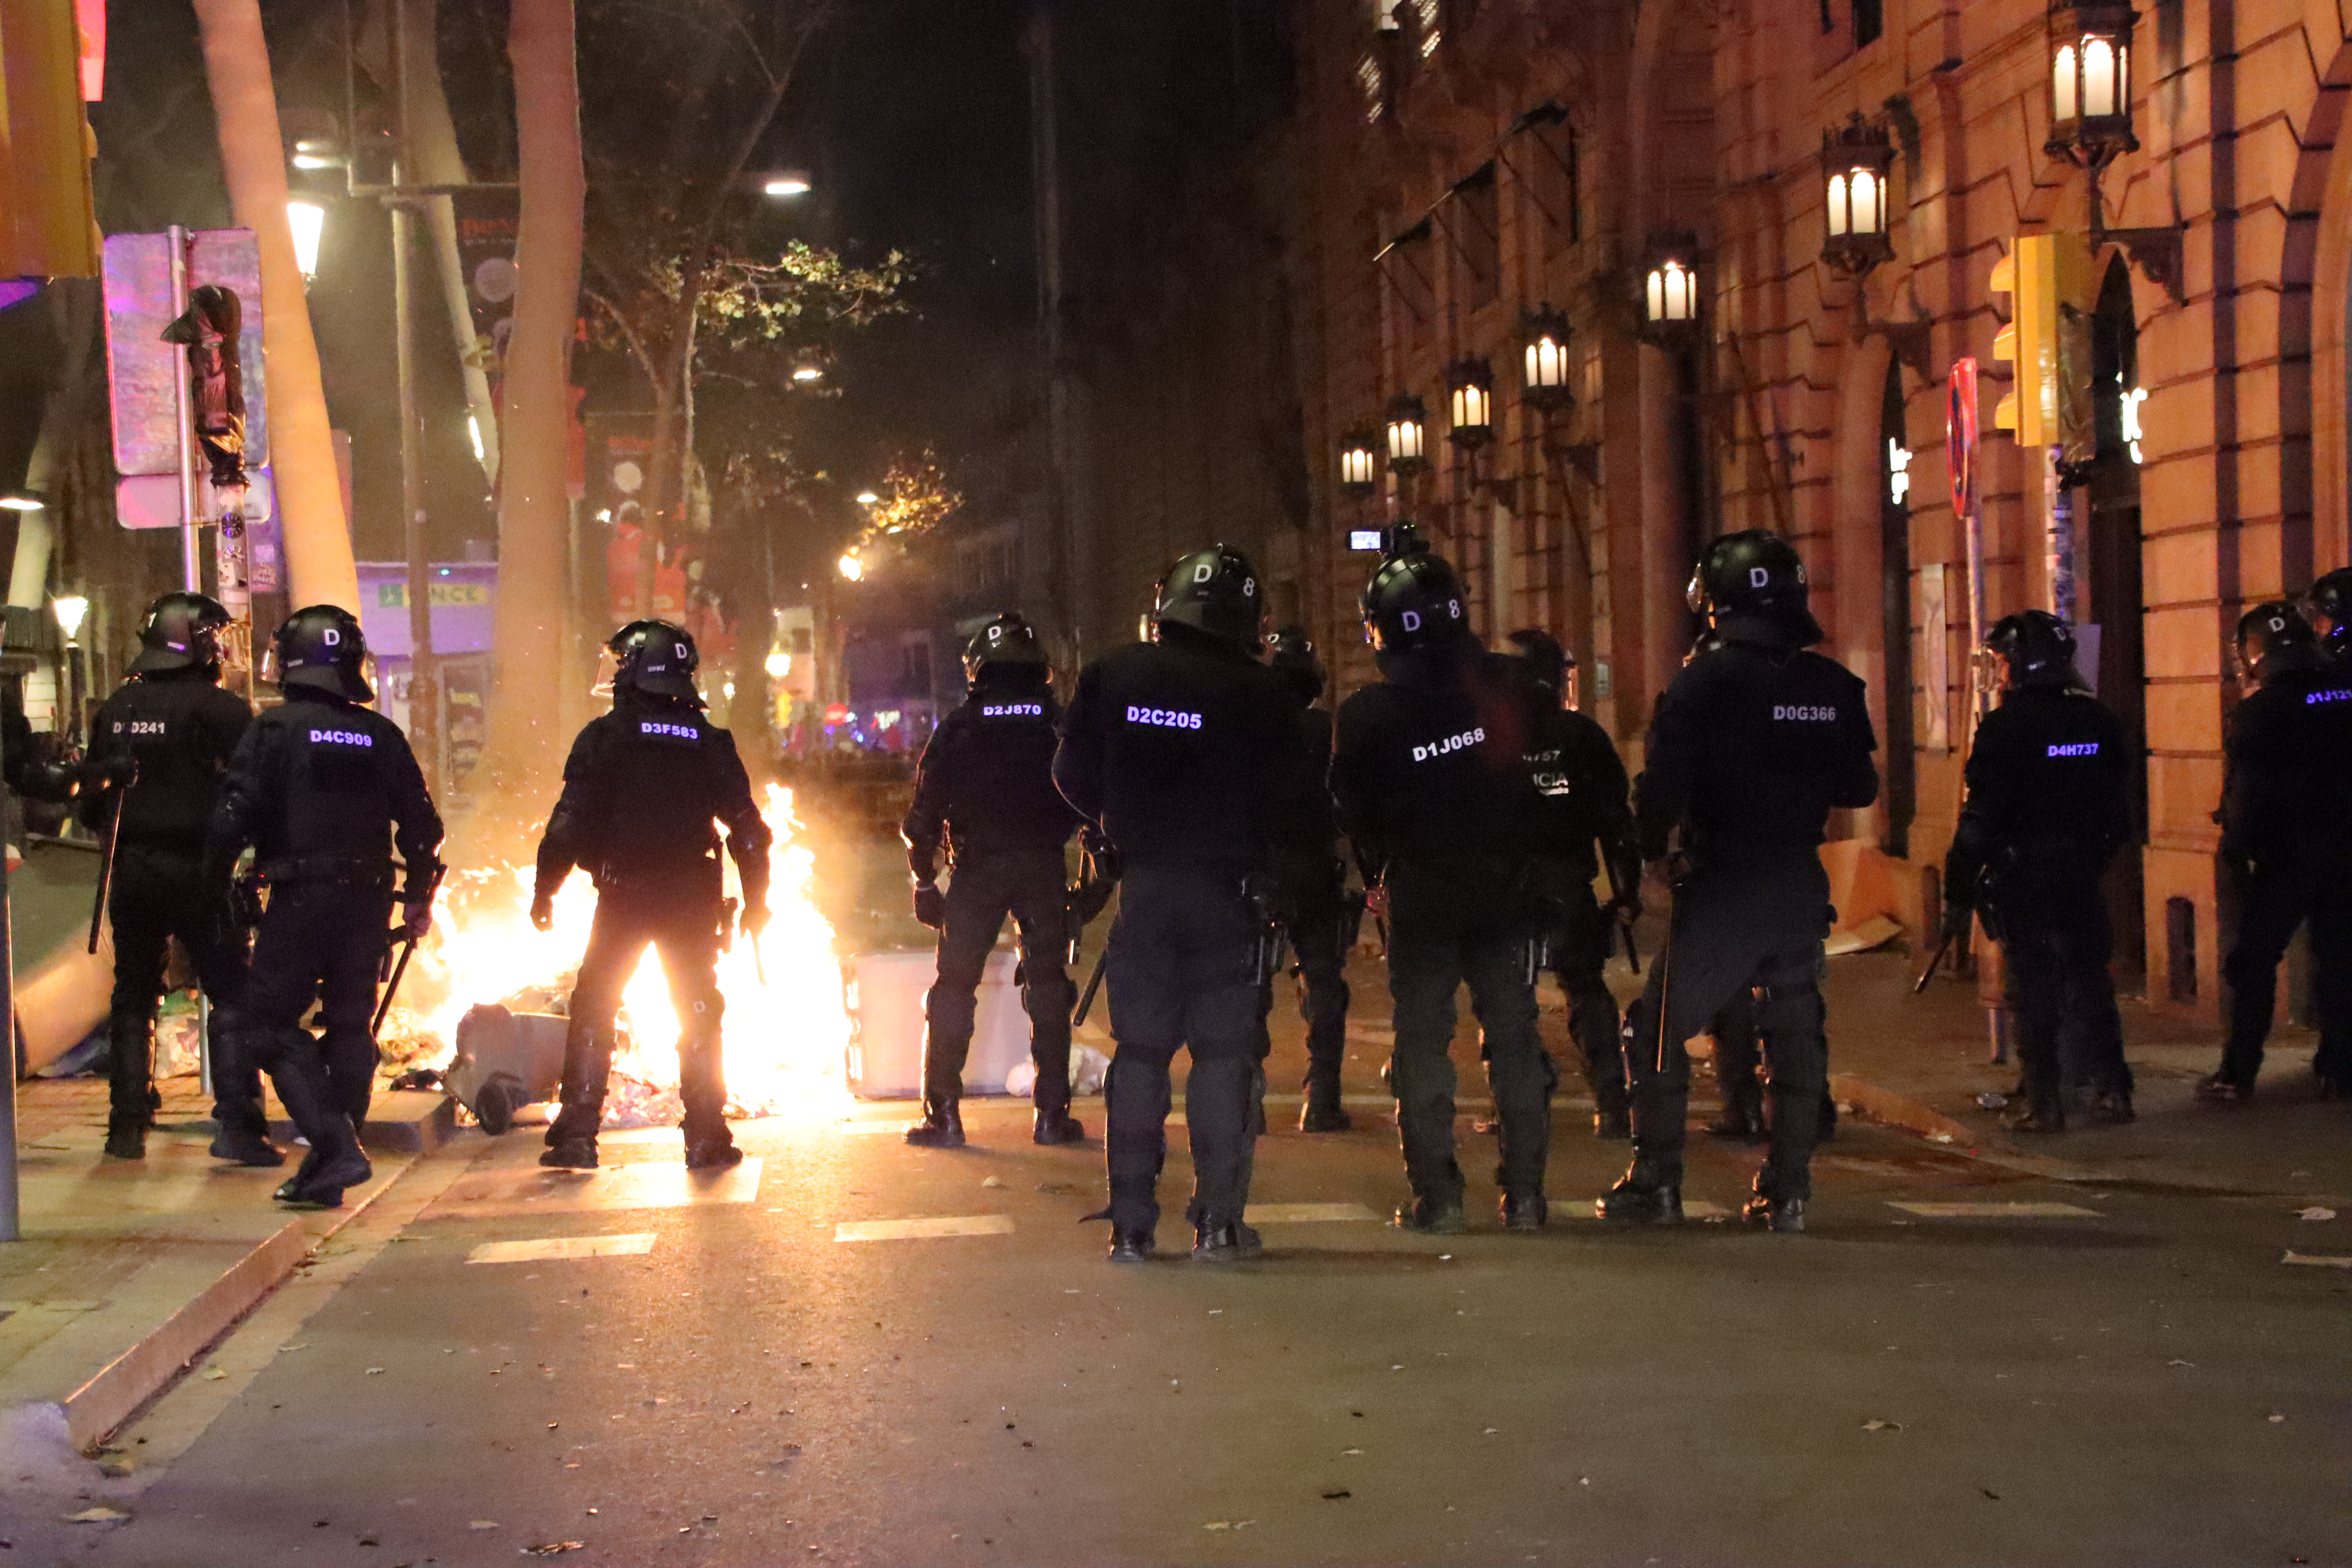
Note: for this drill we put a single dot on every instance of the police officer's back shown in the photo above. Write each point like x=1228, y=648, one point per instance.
x=1430, y=773
x=984, y=792
x=1583, y=813
x=324, y=790
x=1317, y=914
x=2048, y=807
x=2286, y=844
x=158, y=748
x=642, y=789
x=1750, y=751
x=2330, y=613
x=1184, y=751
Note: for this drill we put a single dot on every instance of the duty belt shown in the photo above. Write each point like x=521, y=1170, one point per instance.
x=354, y=870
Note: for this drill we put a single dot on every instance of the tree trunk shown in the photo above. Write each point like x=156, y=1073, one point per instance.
x=529, y=661
x=301, y=443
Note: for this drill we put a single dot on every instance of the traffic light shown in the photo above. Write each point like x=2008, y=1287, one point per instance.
x=2047, y=342
x=48, y=228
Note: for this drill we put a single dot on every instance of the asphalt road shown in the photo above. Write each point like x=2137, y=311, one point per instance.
x=2134, y=1377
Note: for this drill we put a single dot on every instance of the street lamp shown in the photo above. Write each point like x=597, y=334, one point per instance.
x=1407, y=434
x=1670, y=290
x=1855, y=161
x=850, y=566
x=785, y=184
x=868, y=498
x=807, y=371
x=2090, y=83
x=308, y=222
x=70, y=610
x=1543, y=338
x=1469, y=402
x=21, y=501
x=1359, y=465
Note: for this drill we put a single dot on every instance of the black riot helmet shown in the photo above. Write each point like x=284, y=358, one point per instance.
x=654, y=659
x=2037, y=647
x=1006, y=643
x=180, y=631
x=1293, y=660
x=1413, y=603
x=1547, y=663
x=1214, y=591
x=1756, y=576
x=322, y=647
x=2272, y=637
x=2330, y=600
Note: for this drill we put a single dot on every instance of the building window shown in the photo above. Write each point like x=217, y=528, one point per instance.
x=1869, y=20
x=1478, y=237
x=1374, y=83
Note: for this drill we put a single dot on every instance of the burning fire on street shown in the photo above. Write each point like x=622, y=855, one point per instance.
x=785, y=1033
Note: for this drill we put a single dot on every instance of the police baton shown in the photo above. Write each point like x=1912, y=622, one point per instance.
x=1936, y=962
x=1620, y=919
x=392, y=988
x=106, y=863
x=1094, y=984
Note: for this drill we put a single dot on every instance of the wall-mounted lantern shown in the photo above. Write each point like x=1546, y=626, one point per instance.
x=1407, y=434
x=1470, y=402
x=1670, y=287
x=1543, y=348
x=1855, y=161
x=1359, y=465
x=2090, y=83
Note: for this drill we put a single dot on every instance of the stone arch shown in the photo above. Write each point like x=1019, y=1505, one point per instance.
x=2318, y=311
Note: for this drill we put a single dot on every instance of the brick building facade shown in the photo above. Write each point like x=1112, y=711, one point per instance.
x=1464, y=163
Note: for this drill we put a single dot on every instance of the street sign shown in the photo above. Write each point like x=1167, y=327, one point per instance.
x=143, y=372
x=1960, y=434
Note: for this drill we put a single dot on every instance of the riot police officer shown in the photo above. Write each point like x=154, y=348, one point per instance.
x=2286, y=844
x=1578, y=773
x=2330, y=601
x=324, y=790
x=1312, y=901
x=158, y=747
x=641, y=789
x=1430, y=773
x=1748, y=751
x=2047, y=809
x=986, y=786
x=1184, y=751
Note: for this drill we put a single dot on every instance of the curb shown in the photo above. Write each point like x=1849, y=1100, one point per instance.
x=118, y=1389
x=1900, y=1110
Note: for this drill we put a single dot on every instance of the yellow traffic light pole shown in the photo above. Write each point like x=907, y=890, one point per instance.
x=2047, y=341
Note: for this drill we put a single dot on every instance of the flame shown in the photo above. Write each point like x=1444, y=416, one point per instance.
x=786, y=1033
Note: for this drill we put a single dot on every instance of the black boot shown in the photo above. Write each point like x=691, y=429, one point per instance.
x=570, y=1154
x=1225, y=1241
x=1650, y=1192
x=336, y=1160
x=1613, y=1123
x=1131, y=1245
x=941, y=1128
x=241, y=1147
x=712, y=1152
x=1053, y=1127
x=131, y=1099
x=1323, y=1111
x=1433, y=1215
x=1785, y=1215
x=2041, y=1116
x=1525, y=1211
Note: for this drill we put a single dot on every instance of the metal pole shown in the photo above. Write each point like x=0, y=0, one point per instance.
x=191, y=562
x=9, y=1199
x=424, y=703
x=2058, y=537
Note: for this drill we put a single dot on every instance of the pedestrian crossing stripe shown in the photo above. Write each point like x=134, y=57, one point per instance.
x=556, y=1248
x=1308, y=1213
x=1581, y=1208
x=923, y=1229
x=2316, y=1259
x=1997, y=1211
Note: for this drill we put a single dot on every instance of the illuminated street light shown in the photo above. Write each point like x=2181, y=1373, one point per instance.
x=308, y=222
x=1544, y=342
x=2090, y=83
x=779, y=665
x=21, y=501
x=1407, y=434
x=70, y=610
x=808, y=372
x=1855, y=161
x=1470, y=402
x=474, y=434
x=851, y=566
x=785, y=184
x=867, y=498
x=1359, y=465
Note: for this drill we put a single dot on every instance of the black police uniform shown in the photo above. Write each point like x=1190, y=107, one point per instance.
x=642, y=788
x=2331, y=602
x=163, y=741
x=1583, y=790
x=1318, y=920
x=1185, y=750
x=2286, y=839
x=1430, y=775
x=1749, y=750
x=323, y=790
x=2047, y=809
x=985, y=789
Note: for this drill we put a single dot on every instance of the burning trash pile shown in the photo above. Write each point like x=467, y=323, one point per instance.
x=484, y=969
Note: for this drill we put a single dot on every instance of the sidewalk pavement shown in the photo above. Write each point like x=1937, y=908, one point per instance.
x=128, y=1268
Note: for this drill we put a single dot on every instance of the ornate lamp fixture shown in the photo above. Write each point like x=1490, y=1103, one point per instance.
x=1470, y=402
x=1855, y=161
x=1543, y=347
x=2090, y=83
x=1407, y=434
x=1359, y=465
x=1669, y=289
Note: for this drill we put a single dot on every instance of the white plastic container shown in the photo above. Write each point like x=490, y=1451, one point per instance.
x=885, y=1059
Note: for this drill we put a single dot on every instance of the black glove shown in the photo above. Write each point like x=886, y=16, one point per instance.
x=930, y=905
